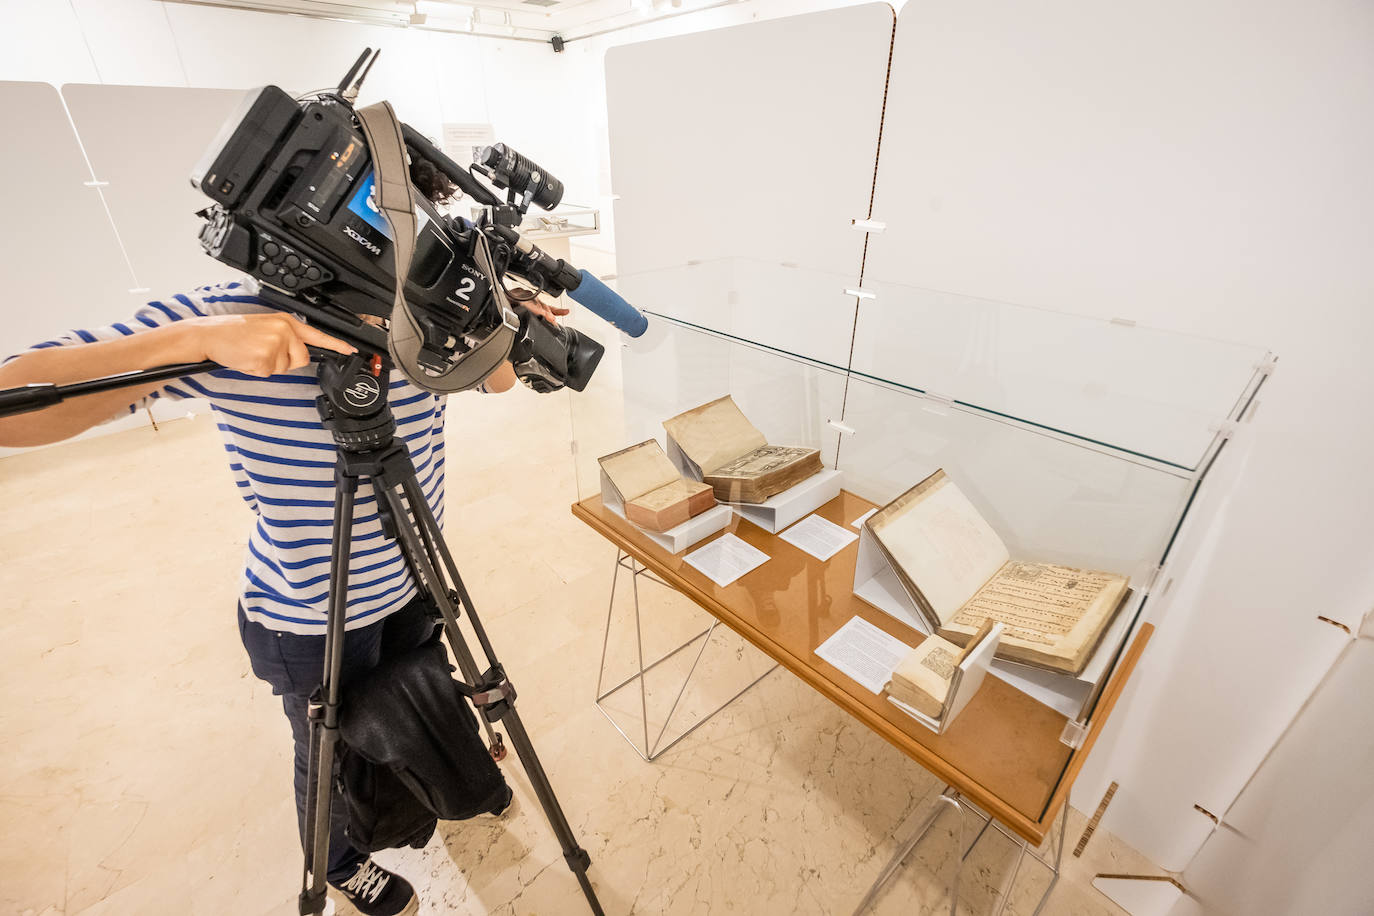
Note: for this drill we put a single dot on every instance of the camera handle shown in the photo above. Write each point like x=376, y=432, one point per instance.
x=354, y=409
x=42, y=395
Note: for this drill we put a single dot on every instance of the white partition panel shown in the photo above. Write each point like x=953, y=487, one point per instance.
x=1201, y=168
x=58, y=256
x=753, y=144
x=144, y=141
x=1298, y=838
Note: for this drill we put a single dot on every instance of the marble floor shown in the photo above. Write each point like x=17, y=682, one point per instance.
x=146, y=771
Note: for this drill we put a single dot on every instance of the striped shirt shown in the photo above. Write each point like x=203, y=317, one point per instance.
x=282, y=460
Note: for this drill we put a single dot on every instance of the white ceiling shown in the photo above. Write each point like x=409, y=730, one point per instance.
x=537, y=20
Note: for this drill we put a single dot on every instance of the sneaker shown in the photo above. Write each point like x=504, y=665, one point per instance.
x=374, y=891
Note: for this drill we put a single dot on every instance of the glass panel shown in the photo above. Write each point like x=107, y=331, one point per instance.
x=673, y=368
x=1147, y=392
x=787, y=308
x=1050, y=499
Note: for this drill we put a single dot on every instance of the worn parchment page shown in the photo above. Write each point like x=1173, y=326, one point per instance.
x=942, y=548
x=638, y=469
x=714, y=434
x=1052, y=615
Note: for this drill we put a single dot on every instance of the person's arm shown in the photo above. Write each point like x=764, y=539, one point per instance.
x=503, y=377
x=255, y=344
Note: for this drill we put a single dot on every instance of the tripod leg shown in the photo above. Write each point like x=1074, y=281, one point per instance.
x=577, y=858
x=324, y=720
x=418, y=554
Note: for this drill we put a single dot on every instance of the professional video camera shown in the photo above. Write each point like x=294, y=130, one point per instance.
x=295, y=191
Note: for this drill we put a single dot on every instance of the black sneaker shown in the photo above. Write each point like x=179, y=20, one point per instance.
x=374, y=891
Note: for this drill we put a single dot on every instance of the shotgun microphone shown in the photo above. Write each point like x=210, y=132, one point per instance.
x=606, y=303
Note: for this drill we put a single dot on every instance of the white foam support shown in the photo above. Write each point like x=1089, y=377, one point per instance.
x=780, y=510
x=678, y=538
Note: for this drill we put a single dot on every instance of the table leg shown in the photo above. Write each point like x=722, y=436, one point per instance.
x=948, y=796
x=1010, y=882
x=1058, y=858
x=651, y=751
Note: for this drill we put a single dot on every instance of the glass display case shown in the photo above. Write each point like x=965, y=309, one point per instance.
x=1081, y=441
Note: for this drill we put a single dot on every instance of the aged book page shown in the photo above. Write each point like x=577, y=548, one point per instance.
x=638, y=469
x=1052, y=616
x=714, y=434
x=941, y=547
x=922, y=679
x=763, y=472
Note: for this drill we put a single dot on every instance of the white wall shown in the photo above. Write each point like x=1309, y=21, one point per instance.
x=429, y=77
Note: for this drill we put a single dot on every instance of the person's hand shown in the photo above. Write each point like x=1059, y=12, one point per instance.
x=259, y=345
x=546, y=309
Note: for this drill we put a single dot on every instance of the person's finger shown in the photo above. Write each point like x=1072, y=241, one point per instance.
x=318, y=338
x=297, y=354
x=281, y=360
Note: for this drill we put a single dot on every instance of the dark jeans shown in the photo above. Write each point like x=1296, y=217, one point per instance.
x=293, y=665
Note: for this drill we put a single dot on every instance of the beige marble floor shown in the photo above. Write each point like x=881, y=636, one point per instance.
x=146, y=771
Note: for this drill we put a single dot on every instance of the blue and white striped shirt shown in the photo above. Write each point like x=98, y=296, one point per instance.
x=283, y=460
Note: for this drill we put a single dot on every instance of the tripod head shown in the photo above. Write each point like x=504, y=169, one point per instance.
x=353, y=405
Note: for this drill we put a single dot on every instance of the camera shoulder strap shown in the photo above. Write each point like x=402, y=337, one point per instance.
x=396, y=201
x=391, y=181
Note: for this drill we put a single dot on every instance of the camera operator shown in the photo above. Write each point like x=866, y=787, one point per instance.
x=282, y=460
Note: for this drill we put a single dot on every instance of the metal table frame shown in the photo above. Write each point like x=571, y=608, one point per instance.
x=950, y=797
x=651, y=751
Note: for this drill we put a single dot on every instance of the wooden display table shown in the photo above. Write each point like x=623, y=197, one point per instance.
x=1003, y=753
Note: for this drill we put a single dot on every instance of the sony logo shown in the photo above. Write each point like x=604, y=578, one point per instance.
x=353, y=234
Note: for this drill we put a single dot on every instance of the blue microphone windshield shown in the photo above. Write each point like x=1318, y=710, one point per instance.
x=606, y=303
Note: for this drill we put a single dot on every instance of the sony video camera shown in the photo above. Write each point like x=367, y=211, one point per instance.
x=294, y=191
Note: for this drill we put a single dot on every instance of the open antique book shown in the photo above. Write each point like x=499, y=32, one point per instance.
x=656, y=496
x=733, y=455
x=925, y=679
x=960, y=574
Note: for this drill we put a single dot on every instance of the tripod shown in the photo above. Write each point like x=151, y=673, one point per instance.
x=354, y=409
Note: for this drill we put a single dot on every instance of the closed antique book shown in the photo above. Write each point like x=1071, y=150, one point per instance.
x=764, y=472
x=928, y=676
x=960, y=575
x=922, y=679
x=733, y=456
x=670, y=505
x=654, y=494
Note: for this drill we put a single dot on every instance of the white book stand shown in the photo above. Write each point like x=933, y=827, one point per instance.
x=781, y=509
x=678, y=538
